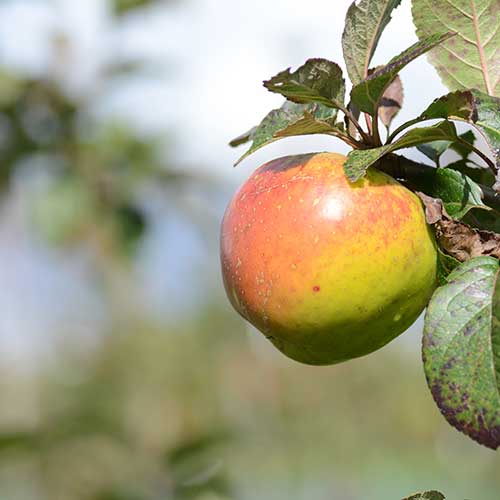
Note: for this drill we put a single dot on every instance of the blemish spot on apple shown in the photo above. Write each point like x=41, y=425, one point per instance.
x=316, y=288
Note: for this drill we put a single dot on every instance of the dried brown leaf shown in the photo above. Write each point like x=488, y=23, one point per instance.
x=465, y=242
x=461, y=241
x=434, y=210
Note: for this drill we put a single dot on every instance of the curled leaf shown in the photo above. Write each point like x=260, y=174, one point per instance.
x=434, y=210
x=243, y=138
x=426, y=495
x=464, y=242
x=456, y=238
x=391, y=102
x=316, y=81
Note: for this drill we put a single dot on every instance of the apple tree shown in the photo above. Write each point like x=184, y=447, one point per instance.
x=461, y=198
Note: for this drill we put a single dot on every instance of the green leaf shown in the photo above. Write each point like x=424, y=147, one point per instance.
x=275, y=120
x=129, y=224
x=367, y=94
x=458, y=105
x=464, y=148
x=426, y=495
x=121, y=7
x=474, y=107
x=472, y=58
x=316, y=91
x=481, y=175
x=488, y=220
x=461, y=350
x=446, y=264
x=458, y=192
x=486, y=118
x=119, y=494
x=358, y=161
x=434, y=150
x=307, y=125
x=291, y=120
x=194, y=467
x=317, y=81
x=364, y=24
x=196, y=447
x=20, y=440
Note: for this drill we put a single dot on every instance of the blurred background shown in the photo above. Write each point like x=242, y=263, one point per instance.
x=124, y=374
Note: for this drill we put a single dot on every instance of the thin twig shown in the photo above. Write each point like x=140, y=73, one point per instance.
x=355, y=122
x=368, y=120
x=375, y=130
x=348, y=139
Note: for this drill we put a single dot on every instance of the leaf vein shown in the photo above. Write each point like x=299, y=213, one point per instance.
x=460, y=35
x=371, y=43
x=495, y=31
x=451, y=75
x=466, y=14
x=467, y=63
x=495, y=375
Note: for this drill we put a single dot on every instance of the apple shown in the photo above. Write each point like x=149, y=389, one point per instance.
x=326, y=269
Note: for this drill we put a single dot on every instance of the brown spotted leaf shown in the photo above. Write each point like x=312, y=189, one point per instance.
x=461, y=349
x=365, y=21
x=290, y=120
x=316, y=81
x=472, y=58
x=426, y=495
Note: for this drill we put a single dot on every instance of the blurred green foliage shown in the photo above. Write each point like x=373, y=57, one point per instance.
x=199, y=412
x=121, y=7
x=94, y=174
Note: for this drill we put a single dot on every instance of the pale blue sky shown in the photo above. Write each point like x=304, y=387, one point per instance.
x=208, y=59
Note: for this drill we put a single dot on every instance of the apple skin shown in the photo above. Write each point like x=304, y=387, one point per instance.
x=326, y=269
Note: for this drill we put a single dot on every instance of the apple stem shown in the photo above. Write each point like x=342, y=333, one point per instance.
x=376, y=133
x=368, y=120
